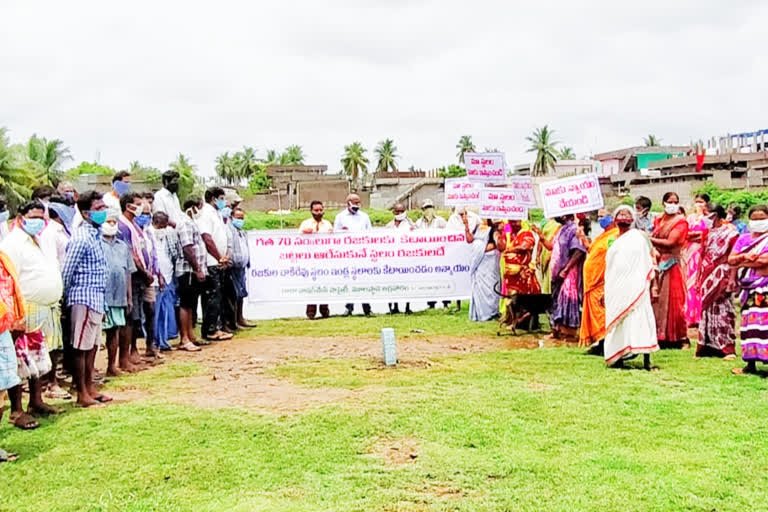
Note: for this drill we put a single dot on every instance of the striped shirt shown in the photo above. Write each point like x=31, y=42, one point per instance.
x=188, y=235
x=85, y=269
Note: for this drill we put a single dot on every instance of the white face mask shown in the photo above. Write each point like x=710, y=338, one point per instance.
x=400, y=217
x=671, y=208
x=758, y=226
x=194, y=213
x=109, y=229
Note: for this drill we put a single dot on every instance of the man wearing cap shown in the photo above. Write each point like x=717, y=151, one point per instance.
x=429, y=219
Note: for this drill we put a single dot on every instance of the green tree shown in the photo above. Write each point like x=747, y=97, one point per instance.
x=49, y=155
x=355, y=163
x=187, y=177
x=544, y=147
x=89, y=168
x=651, y=140
x=386, y=156
x=225, y=167
x=566, y=153
x=145, y=173
x=15, y=180
x=293, y=155
x=272, y=158
x=246, y=163
x=452, y=171
x=465, y=145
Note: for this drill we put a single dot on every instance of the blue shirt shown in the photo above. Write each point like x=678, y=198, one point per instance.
x=85, y=269
x=119, y=266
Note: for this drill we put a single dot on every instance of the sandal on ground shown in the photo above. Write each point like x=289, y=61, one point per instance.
x=730, y=357
x=741, y=371
x=189, y=347
x=24, y=421
x=104, y=399
x=91, y=405
x=44, y=410
x=58, y=393
x=8, y=457
x=201, y=343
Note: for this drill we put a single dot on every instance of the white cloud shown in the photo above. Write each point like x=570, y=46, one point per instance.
x=152, y=79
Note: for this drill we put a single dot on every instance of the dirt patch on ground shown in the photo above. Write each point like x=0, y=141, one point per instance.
x=396, y=452
x=234, y=374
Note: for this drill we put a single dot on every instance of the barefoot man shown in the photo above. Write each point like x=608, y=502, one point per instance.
x=85, y=277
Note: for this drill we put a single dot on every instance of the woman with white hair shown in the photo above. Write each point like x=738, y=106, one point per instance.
x=629, y=319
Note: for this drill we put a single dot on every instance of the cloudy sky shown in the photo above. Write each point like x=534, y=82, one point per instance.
x=150, y=79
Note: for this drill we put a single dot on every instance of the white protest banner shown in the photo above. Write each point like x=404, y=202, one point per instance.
x=462, y=192
x=575, y=194
x=372, y=266
x=501, y=203
x=485, y=167
x=523, y=187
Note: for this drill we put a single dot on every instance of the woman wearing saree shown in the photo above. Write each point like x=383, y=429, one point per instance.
x=670, y=233
x=716, y=284
x=593, y=314
x=484, y=271
x=750, y=257
x=567, y=264
x=630, y=322
x=547, y=236
x=518, y=273
x=698, y=225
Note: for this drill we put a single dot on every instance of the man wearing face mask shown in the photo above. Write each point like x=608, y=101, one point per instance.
x=241, y=261
x=85, y=278
x=353, y=219
x=41, y=286
x=190, y=272
x=403, y=223
x=429, y=219
x=130, y=232
x=121, y=185
x=316, y=224
x=167, y=200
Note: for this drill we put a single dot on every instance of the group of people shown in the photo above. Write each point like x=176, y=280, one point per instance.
x=126, y=265
x=639, y=284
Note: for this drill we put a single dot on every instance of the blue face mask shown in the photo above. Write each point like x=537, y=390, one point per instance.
x=221, y=204
x=143, y=220
x=69, y=195
x=238, y=223
x=99, y=217
x=605, y=221
x=32, y=227
x=121, y=188
x=4, y=215
x=226, y=212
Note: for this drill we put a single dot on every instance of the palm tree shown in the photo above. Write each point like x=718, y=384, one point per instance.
x=651, y=140
x=49, y=156
x=465, y=145
x=386, y=154
x=225, y=167
x=272, y=158
x=354, y=162
x=566, y=153
x=246, y=163
x=546, y=153
x=187, y=177
x=293, y=155
x=15, y=180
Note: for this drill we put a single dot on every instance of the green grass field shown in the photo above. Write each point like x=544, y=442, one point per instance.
x=541, y=429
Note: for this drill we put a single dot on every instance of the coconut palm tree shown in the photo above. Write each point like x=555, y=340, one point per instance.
x=465, y=145
x=293, y=155
x=354, y=162
x=49, y=156
x=386, y=155
x=272, y=158
x=225, y=167
x=546, y=153
x=187, y=176
x=15, y=180
x=566, y=153
x=651, y=140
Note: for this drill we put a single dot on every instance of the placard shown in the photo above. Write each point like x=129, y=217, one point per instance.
x=462, y=192
x=501, y=203
x=523, y=187
x=485, y=167
x=575, y=194
x=380, y=265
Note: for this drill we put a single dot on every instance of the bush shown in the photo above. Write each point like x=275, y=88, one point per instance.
x=744, y=198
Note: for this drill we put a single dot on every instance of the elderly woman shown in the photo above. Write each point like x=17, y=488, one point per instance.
x=716, y=284
x=629, y=318
x=670, y=233
x=750, y=257
x=593, y=313
x=487, y=244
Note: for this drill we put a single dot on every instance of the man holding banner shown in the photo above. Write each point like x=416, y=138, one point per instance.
x=353, y=219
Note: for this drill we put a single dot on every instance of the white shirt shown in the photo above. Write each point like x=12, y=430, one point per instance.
x=53, y=242
x=347, y=221
x=210, y=223
x=312, y=225
x=77, y=219
x=169, y=204
x=164, y=263
x=112, y=202
x=40, y=281
x=3, y=230
x=455, y=222
x=437, y=222
x=405, y=225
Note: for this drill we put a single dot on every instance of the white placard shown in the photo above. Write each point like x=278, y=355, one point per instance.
x=485, y=167
x=462, y=192
x=501, y=203
x=523, y=187
x=381, y=265
x=575, y=194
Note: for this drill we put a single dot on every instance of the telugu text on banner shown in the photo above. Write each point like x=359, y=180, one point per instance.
x=575, y=194
x=486, y=167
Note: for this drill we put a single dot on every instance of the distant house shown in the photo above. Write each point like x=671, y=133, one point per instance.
x=636, y=159
x=572, y=167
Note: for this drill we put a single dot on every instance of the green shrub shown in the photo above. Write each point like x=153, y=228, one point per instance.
x=744, y=198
